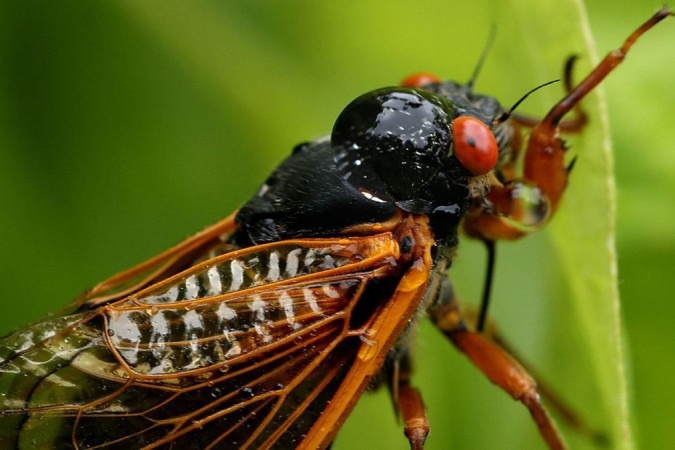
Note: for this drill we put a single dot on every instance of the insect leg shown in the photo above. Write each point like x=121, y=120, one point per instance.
x=508, y=165
x=544, y=163
x=523, y=205
x=414, y=416
x=572, y=125
x=553, y=400
x=500, y=367
x=408, y=401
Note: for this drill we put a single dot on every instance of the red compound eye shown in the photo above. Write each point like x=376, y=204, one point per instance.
x=420, y=79
x=475, y=145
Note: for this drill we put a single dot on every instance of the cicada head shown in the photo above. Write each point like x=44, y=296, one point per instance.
x=422, y=149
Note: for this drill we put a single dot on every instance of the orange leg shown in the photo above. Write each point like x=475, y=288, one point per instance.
x=553, y=400
x=414, y=416
x=500, y=367
x=525, y=204
x=408, y=401
x=507, y=167
x=573, y=125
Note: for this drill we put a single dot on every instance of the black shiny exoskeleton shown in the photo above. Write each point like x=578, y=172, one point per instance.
x=390, y=149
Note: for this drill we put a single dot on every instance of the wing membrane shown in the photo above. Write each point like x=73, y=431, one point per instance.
x=244, y=349
x=204, y=245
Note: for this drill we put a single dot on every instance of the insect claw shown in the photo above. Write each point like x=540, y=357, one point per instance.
x=570, y=166
x=569, y=68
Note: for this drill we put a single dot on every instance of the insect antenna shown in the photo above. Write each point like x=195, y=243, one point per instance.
x=483, y=56
x=506, y=115
x=570, y=166
x=490, y=245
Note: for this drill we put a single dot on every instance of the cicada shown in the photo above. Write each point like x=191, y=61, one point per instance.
x=263, y=330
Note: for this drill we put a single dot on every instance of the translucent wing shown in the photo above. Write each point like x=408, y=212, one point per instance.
x=206, y=244
x=247, y=349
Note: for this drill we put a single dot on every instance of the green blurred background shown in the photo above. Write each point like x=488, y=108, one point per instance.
x=126, y=126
